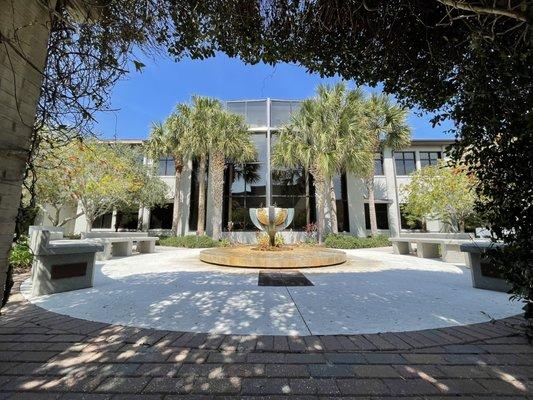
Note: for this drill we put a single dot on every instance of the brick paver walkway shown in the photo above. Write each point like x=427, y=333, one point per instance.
x=47, y=355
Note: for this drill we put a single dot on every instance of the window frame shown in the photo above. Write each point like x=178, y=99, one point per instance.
x=403, y=160
x=428, y=159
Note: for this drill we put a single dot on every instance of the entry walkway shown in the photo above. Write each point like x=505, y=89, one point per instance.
x=47, y=355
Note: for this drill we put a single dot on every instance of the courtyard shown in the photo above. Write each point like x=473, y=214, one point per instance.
x=165, y=325
x=374, y=291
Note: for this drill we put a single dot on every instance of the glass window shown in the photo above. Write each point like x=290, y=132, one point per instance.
x=166, y=167
x=237, y=107
x=260, y=141
x=256, y=113
x=382, y=217
x=378, y=164
x=161, y=217
x=127, y=220
x=103, y=221
x=429, y=158
x=341, y=196
x=280, y=113
x=405, y=162
x=289, y=182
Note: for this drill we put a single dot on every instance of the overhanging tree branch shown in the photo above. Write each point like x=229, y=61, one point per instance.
x=461, y=5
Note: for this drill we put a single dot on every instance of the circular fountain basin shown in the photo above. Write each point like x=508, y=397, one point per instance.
x=290, y=258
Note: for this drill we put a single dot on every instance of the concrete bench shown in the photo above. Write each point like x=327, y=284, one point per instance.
x=429, y=247
x=61, y=265
x=484, y=274
x=120, y=244
x=56, y=232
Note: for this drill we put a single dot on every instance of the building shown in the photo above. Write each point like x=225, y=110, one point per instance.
x=249, y=185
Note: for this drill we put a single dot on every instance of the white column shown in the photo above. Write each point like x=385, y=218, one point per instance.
x=392, y=192
x=185, y=198
x=356, y=205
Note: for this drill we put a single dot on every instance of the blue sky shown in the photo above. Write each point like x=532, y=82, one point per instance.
x=150, y=95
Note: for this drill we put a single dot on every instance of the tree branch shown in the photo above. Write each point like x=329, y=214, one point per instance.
x=461, y=5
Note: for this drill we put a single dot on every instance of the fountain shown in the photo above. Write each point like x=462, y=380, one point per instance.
x=273, y=220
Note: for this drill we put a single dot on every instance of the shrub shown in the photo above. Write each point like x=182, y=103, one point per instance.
x=339, y=241
x=189, y=241
x=21, y=257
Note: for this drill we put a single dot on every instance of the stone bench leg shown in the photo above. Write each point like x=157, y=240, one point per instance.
x=476, y=262
x=400, y=247
x=427, y=250
x=452, y=253
x=147, y=246
x=106, y=254
x=122, y=249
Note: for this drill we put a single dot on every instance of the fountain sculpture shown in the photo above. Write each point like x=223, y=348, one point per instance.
x=271, y=220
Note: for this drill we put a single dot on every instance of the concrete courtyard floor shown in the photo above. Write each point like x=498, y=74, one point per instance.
x=375, y=291
x=46, y=354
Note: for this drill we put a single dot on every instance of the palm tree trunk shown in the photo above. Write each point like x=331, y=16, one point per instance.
x=320, y=186
x=217, y=179
x=333, y=208
x=32, y=41
x=372, y=207
x=201, y=195
x=176, y=212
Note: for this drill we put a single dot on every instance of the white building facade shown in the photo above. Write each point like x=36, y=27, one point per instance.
x=250, y=185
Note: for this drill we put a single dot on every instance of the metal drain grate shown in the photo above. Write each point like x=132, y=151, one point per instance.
x=283, y=278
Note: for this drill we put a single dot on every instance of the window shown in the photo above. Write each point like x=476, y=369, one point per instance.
x=378, y=164
x=405, y=162
x=103, y=221
x=382, y=217
x=127, y=220
x=161, y=217
x=195, y=195
x=293, y=188
x=429, y=158
x=245, y=187
x=166, y=167
x=341, y=196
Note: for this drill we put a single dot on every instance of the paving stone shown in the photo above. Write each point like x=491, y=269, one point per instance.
x=154, y=369
x=330, y=371
x=411, y=386
x=217, y=386
x=123, y=385
x=262, y=386
x=384, y=358
x=286, y=370
x=345, y=358
x=266, y=358
x=169, y=385
x=375, y=371
x=370, y=387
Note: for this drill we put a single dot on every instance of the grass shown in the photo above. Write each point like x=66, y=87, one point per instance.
x=340, y=241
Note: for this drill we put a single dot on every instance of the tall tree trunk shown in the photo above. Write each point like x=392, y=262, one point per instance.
x=372, y=206
x=217, y=162
x=320, y=195
x=176, y=212
x=31, y=20
x=334, y=223
x=201, y=195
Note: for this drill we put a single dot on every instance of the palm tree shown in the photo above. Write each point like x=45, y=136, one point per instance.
x=229, y=139
x=165, y=140
x=385, y=123
x=217, y=134
x=196, y=143
x=325, y=138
